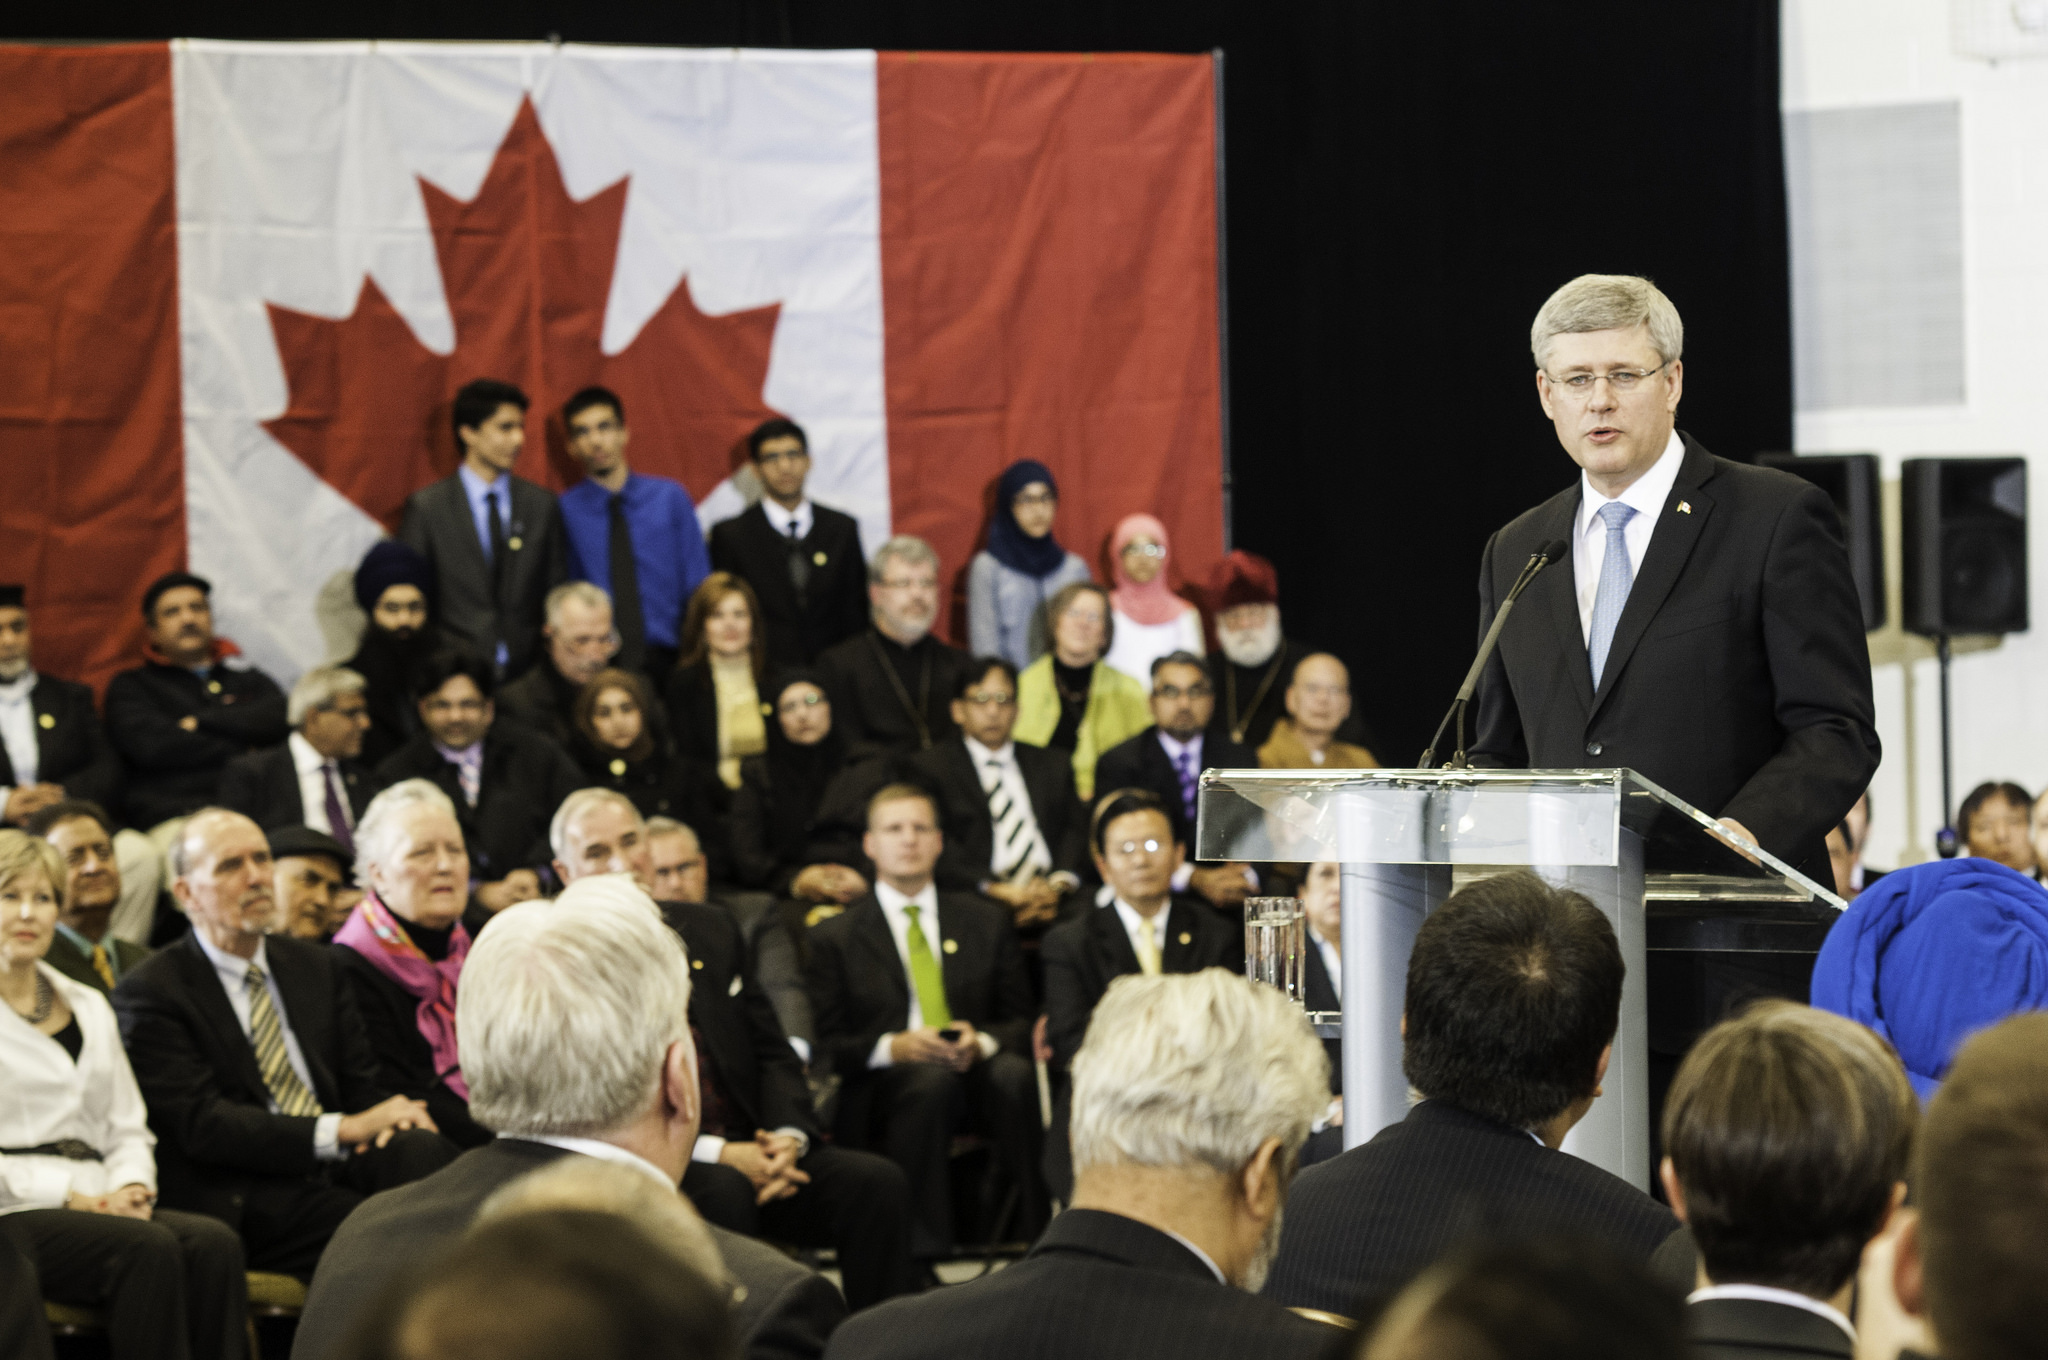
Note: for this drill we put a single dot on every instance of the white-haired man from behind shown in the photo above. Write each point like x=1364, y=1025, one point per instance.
x=1193, y=1095
x=575, y=1042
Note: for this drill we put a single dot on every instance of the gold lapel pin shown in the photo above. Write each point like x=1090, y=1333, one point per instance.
x=1186, y=938
x=817, y=559
x=515, y=543
x=951, y=946
x=46, y=722
x=696, y=963
x=213, y=687
x=618, y=767
x=1685, y=507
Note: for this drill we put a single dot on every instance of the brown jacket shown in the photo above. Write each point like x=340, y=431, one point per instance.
x=1285, y=750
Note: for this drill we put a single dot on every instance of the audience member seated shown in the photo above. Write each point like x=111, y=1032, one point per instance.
x=623, y=743
x=891, y=685
x=77, y=1180
x=801, y=809
x=924, y=1011
x=1015, y=830
x=760, y=1163
x=188, y=709
x=1786, y=1133
x=575, y=1043
x=310, y=873
x=24, y=1328
x=1996, y=822
x=86, y=949
x=1544, y=1299
x=1514, y=997
x=803, y=560
x=632, y=535
x=493, y=541
x=1009, y=581
x=1144, y=929
x=505, y=781
x=578, y=641
x=52, y=746
x=402, y=948
x=1318, y=702
x=1322, y=987
x=314, y=779
x=249, y=1048
x=394, y=585
x=1070, y=699
x=1167, y=760
x=714, y=693
x=1150, y=621
x=1253, y=660
x=1192, y=1097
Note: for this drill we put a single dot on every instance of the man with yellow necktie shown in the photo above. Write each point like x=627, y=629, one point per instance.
x=924, y=1010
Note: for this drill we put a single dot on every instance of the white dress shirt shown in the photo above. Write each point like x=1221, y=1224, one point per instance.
x=1764, y=1293
x=926, y=900
x=312, y=771
x=780, y=519
x=234, y=979
x=50, y=1098
x=18, y=732
x=1589, y=532
x=1136, y=926
x=604, y=1152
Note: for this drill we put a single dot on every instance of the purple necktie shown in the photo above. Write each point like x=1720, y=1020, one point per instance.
x=1184, y=763
x=337, y=817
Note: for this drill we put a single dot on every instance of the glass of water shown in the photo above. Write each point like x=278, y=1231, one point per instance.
x=1275, y=934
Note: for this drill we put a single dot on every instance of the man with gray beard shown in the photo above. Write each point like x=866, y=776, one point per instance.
x=1253, y=661
x=1193, y=1094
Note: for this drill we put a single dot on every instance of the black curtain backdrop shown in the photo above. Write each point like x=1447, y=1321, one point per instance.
x=1406, y=184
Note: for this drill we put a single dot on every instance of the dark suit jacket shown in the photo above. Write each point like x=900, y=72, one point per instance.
x=787, y=1313
x=438, y=524
x=67, y=959
x=835, y=602
x=172, y=772
x=525, y=778
x=1757, y=1329
x=774, y=838
x=71, y=746
x=859, y=990
x=1084, y=955
x=757, y=1071
x=691, y=697
x=264, y=787
x=542, y=701
x=1739, y=677
x=1142, y=763
x=867, y=708
x=1320, y=995
x=1362, y=1225
x=948, y=771
x=1096, y=1284
x=405, y=1061
x=208, y=1106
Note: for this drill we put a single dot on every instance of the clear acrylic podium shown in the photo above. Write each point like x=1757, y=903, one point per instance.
x=1668, y=876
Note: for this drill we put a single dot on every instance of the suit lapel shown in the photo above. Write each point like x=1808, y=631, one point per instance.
x=455, y=506
x=1556, y=592
x=871, y=928
x=771, y=575
x=210, y=998
x=1112, y=944
x=1670, y=546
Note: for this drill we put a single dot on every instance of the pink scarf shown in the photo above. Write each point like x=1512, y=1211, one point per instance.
x=1148, y=604
x=372, y=931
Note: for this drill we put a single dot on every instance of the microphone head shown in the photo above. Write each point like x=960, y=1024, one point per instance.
x=1554, y=550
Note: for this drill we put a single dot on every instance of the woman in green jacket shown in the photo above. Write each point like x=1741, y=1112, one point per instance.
x=1068, y=698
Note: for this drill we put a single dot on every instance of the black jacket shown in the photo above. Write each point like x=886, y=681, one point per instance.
x=666, y=786
x=264, y=787
x=1096, y=1285
x=948, y=771
x=774, y=837
x=835, y=600
x=71, y=745
x=405, y=1062
x=757, y=1071
x=172, y=772
x=1318, y=994
x=207, y=1102
x=1142, y=763
x=785, y=1314
x=1362, y=1225
x=1084, y=955
x=471, y=615
x=869, y=688
x=542, y=701
x=525, y=778
x=1758, y=1329
x=1738, y=678
x=691, y=698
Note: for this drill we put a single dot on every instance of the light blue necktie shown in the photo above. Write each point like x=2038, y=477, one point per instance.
x=1616, y=576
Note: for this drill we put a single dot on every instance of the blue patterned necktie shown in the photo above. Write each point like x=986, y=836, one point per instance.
x=1616, y=576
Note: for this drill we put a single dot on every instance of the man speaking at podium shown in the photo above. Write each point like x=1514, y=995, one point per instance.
x=1704, y=628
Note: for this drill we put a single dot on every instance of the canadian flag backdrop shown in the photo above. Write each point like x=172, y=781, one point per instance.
x=240, y=282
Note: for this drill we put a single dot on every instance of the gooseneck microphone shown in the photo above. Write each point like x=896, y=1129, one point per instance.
x=1552, y=551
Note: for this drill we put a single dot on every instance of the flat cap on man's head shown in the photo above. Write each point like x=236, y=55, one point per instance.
x=172, y=580
x=1243, y=578
x=292, y=842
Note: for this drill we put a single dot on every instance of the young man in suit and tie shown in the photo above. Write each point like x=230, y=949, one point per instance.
x=923, y=1008
x=86, y=949
x=249, y=1051
x=803, y=560
x=313, y=779
x=494, y=541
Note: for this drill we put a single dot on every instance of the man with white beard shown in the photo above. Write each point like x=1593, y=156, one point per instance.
x=1254, y=661
x=1193, y=1094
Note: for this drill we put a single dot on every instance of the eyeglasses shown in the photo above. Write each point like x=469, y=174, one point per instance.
x=911, y=583
x=1150, y=847
x=1034, y=498
x=1172, y=692
x=1144, y=549
x=997, y=697
x=591, y=642
x=1325, y=691
x=791, y=705
x=1581, y=385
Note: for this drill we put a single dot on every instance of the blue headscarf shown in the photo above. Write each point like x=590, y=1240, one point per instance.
x=1930, y=954
x=1010, y=545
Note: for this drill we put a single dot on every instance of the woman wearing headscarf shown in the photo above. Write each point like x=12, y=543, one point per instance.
x=1009, y=582
x=622, y=743
x=800, y=812
x=1150, y=620
x=395, y=587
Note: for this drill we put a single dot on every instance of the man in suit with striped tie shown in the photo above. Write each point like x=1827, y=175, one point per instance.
x=248, y=1051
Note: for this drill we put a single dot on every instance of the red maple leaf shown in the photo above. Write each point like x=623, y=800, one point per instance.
x=527, y=271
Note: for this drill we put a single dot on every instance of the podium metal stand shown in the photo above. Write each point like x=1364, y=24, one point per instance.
x=1670, y=878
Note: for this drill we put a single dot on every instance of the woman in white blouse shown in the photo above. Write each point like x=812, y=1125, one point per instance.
x=77, y=1175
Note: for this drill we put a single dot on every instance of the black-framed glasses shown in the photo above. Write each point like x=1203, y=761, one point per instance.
x=1000, y=698
x=1172, y=692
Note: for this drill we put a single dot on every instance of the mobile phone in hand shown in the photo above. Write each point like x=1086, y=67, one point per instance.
x=951, y=1034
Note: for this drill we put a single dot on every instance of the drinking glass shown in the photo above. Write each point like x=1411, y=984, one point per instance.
x=1275, y=933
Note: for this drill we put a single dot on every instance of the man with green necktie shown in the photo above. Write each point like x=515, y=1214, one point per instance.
x=924, y=1010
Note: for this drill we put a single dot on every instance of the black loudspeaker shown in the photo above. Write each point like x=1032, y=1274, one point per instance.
x=1850, y=479
x=1965, y=545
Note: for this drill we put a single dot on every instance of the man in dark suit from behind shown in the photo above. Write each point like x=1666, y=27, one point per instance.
x=85, y=949
x=493, y=541
x=760, y=1163
x=804, y=561
x=924, y=1011
x=574, y=1018
x=1192, y=1097
x=1513, y=1000
x=1167, y=760
x=1786, y=1137
x=250, y=1053
x=315, y=778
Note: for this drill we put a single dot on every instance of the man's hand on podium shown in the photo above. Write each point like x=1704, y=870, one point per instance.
x=1739, y=829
